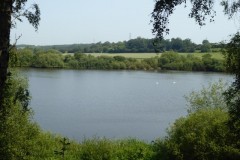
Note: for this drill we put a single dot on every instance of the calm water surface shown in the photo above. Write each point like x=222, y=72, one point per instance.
x=112, y=104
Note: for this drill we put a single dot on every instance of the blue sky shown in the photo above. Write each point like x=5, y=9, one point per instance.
x=89, y=21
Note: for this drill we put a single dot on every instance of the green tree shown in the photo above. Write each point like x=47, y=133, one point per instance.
x=47, y=60
x=209, y=97
x=25, y=57
x=177, y=44
x=188, y=45
x=232, y=54
x=12, y=124
x=206, y=46
x=11, y=10
x=18, y=132
x=200, y=11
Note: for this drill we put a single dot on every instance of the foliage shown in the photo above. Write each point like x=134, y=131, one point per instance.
x=212, y=64
x=210, y=97
x=10, y=11
x=32, y=14
x=65, y=143
x=200, y=135
x=45, y=145
x=133, y=149
x=162, y=10
x=127, y=55
x=138, y=45
x=167, y=61
x=25, y=57
x=200, y=10
x=232, y=54
x=50, y=59
x=98, y=149
x=46, y=60
x=174, y=61
x=206, y=46
x=17, y=128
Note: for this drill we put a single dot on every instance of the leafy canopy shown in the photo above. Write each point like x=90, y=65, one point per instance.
x=200, y=10
x=19, y=11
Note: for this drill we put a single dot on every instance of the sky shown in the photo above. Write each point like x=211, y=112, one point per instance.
x=92, y=21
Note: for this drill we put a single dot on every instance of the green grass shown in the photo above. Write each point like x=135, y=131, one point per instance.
x=216, y=55
x=127, y=55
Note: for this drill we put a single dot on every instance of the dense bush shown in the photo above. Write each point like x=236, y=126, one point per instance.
x=201, y=135
x=47, y=60
x=175, y=61
x=129, y=149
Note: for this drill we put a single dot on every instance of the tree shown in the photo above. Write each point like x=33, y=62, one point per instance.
x=188, y=45
x=232, y=54
x=17, y=130
x=209, y=97
x=206, y=46
x=12, y=119
x=24, y=57
x=200, y=11
x=177, y=44
x=10, y=11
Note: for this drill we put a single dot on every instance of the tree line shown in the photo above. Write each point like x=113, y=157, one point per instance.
x=166, y=61
x=138, y=45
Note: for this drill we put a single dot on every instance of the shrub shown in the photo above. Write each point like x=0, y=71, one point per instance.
x=209, y=97
x=200, y=135
x=96, y=149
x=104, y=149
x=17, y=131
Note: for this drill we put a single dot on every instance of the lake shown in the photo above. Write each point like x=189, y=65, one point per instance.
x=112, y=104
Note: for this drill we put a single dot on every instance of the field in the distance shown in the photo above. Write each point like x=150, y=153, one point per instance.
x=216, y=55
x=127, y=55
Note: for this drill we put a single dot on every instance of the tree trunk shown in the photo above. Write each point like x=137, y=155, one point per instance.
x=5, y=26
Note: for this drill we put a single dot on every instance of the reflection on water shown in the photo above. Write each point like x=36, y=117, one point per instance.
x=113, y=104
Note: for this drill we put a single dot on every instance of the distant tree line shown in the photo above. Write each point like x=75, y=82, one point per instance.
x=138, y=45
x=167, y=61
